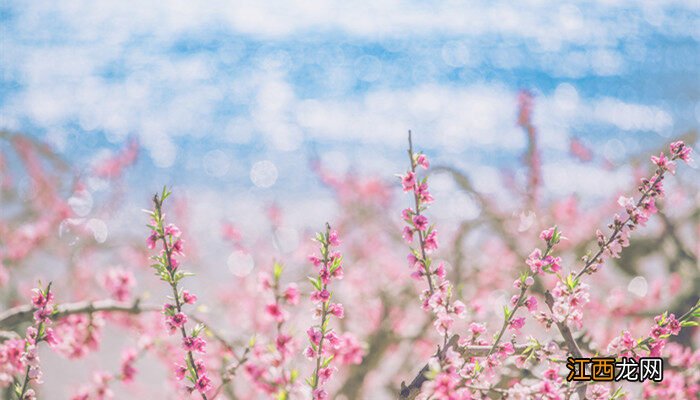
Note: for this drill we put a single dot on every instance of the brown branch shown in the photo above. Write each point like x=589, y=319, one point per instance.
x=569, y=340
x=413, y=389
x=17, y=315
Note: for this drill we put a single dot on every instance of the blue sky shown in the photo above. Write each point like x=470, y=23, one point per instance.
x=218, y=86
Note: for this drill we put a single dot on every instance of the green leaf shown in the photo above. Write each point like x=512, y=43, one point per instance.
x=316, y=282
x=506, y=312
x=689, y=323
x=197, y=330
x=570, y=283
x=277, y=270
x=320, y=238
x=618, y=394
x=327, y=361
x=556, y=236
x=662, y=321
x=311, y=380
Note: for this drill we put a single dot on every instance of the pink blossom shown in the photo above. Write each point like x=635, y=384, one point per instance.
x=177, y=320
x=517, y=323
x=203, y=384
x=656, y=347
x=547, y=234
x=459, y=308
x=194, y=343
x=119, y=282
x=151, y=240
x=673, y=325
x=188, y=298
x=310, y=353
x=443, y=323
x=314, y=335
x=276, y=312
x=420, y=222
x=407, y=234
x=477, y=329
x=440, y=271
x=127, y=366
x=431, y=242
x=172, y=230
x=320, y=394
x=664, y=163
x=178, y=247
x=333, y=239
x=534, y=261
x=336, y=309
x=680, y=150
x=315, y=261
x=292, y=294
x=424, y=193
x=531, y=303
x=422, y=160
x=325, y=374
x=599, y=392
x=39, y=299
x=658, y=331
x=348, y=350
x=408, y=181
x=320, y=296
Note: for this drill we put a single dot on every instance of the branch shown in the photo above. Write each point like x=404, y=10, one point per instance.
x=413, y=389
x=14, y=316
x=568, y=340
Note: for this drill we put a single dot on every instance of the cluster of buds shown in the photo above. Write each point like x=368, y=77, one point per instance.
x=322, y=338
x=268, y=370
x=166, y=266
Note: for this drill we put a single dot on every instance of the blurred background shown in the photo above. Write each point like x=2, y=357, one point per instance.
x=269, y=118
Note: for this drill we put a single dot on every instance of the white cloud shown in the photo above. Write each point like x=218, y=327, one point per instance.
x=548, y=22
x=59, y=52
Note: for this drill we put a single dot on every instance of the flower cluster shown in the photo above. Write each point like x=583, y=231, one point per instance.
x=269, y=369
x=637, y=213
x=437, y=298
x=42, y=300
x=416, y=223
x=118, y=282
x=322, y=338
x=539, y=262
x=438, y=295
x=667, y=325
x=569, y=297
x=80, y=334
x=166, y=265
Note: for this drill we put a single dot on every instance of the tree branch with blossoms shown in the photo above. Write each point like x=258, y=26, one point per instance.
x=637, y=213
x=437, y=298
x=42, y=301
x=167, y=268
x=329, y=267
